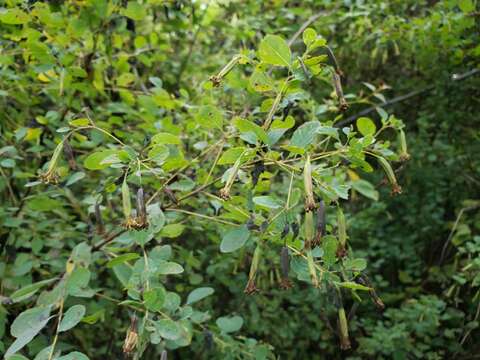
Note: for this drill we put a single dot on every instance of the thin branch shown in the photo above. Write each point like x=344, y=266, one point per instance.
x=306, y=24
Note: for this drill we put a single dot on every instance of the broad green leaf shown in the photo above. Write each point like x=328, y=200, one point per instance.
x=247, y=126
x=135, y=11
x=305, y=134
x=268, y=202
x=274, y=50
x=26, y=326
x=309, y=35
x=75, y=355
x=94, y=160
x=228, y=324
x=13, y=16
x=366, y=189
x=209, y=117
x=231, y=155
x=172, y=230
x=168, y=329
x=366, y=126
x=168, y=268
x=72, y=317
x=29, y=290
x=154, y=298
x=355, y=264
x=260, y=81
x=165, y=138
x=234, y=239
x=198, y=294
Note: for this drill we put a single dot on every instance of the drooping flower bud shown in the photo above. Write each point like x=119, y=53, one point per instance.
x=309, y=229
x=311, y=268
x=217, y=79
x=404, y=155
x=387, y=168
x=337, y=83
x=131, y=339
x=251, y=288
x=343, y=329
x=225, y=191
x=50, y=176
x=308, y=185
x=170, y=195
x=364, y=280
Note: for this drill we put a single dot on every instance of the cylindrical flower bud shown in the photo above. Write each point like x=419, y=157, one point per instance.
x=343, y=329
x=387, y=168
x=308, y=185
x=337, y=83
x=404, y=155
x=225, y=192
x=309, y=229
x=217, y=79
x=251, y=287
x=131, y=338
x=50, y=176
x=342, y=234
x=127, y=205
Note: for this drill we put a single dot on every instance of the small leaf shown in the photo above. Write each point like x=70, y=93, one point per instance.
x=122, y=259
x=94, y=160
x=234, y=239
x=268, y=202
x=305, y=134
x=75, y=355
x=355, y=264
x=154, y=298
x=353, y=285
x=165, y=138
x=168, y=329
x=29, y=290
x=198, y=294
x=79, y=122
x=172, y=230
x=72, y=317
x=274, y=50
x=229, y=324
x=366, y=126
x=309, y=36
x=168, y=267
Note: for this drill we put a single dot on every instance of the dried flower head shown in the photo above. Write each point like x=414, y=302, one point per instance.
x=131, y=339
x=308, y=185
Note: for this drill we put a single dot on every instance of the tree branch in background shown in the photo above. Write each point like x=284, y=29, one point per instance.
x=455, y=77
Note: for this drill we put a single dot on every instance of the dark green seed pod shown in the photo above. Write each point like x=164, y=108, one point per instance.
x=285, y=231
x=285, y=282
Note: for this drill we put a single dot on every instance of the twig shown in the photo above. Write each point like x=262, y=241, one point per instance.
x=455, y=77
x=306, y=24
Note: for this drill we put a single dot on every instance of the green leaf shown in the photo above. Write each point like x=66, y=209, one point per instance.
x=72, y=317
x=234, y=239
x=168, y=267
x=154, y=298
x=13, y=16
x=78, y=280
x=268, y=202
x=94, y=160
x=168, y=329
x=75, y=355
x=355, y=264
x=79, y=122
x=135, y=11
x=165, y=138
x=231, y=155
x=29, y=290
x=274, y=50
x=309, y=36
x=209, y=117
x=366, y=126
x=198, y=294
x=228, y=324
x=366, y=189
x=26, y=326
x=172, y=230
x=122, y=259
x=305, y=134
x=466, y=5
x=245, y=126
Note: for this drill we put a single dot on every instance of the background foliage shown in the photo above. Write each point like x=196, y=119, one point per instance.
x=138, y=69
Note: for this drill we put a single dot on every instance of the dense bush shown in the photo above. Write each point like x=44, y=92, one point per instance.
x=230, y=120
